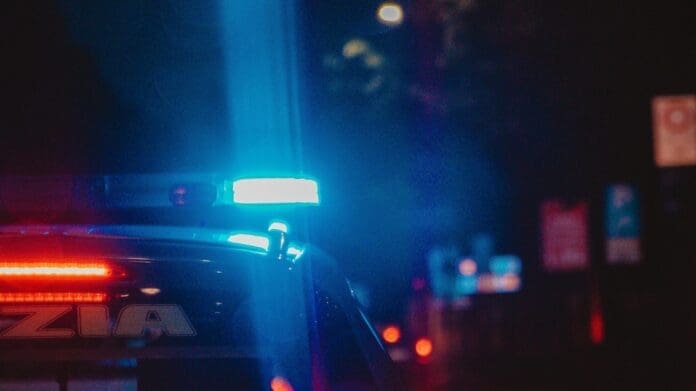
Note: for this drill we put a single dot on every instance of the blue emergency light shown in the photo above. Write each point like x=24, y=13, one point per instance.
x=275, y=191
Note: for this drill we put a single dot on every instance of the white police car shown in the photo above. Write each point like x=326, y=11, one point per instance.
x=126, y=307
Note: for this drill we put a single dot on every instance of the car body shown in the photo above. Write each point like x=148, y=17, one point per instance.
x=160, y=307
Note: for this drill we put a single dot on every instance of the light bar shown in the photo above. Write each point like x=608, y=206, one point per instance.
x=250, y=240
x=53, y=269
x=52, y=297
x=275, y=191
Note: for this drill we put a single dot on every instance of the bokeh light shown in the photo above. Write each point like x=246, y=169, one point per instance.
x=354, y=48
x=467, y=267
x=391, y=334
x=423, y=347
x=279, y=383
x=390, y=14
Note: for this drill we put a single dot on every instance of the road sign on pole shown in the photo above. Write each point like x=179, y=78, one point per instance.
x=564, y=236
x=674, y=130
x=622, y=224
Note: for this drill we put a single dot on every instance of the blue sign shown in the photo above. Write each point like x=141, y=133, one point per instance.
x=505, y=264
x=622, y=224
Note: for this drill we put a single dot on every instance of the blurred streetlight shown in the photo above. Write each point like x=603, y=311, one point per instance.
x=355, y=47
x=390, y=14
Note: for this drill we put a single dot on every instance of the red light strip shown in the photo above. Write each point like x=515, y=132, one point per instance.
x=53, y=269
x=52, y=297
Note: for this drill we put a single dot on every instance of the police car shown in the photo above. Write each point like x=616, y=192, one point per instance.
x=87, y=306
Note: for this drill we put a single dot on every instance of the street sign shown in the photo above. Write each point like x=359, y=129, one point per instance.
x=443, y=271
x=622, y=224
x=674, y=130
x=564, y=236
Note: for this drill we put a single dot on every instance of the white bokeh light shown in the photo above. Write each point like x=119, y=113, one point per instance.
x=390, y=14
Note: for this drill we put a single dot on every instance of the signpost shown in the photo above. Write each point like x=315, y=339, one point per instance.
x=564, y=236
x=622, y=219
x=674, y=130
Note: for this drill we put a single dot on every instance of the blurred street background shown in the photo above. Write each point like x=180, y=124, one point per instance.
x=508, y=185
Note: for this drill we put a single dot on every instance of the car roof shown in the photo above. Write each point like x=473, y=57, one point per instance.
x=190, y=235
x=326, y=272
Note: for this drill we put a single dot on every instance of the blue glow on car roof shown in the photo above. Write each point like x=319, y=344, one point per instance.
x=254, y=241
x=251, y=240
x=295, y=251
x=278, y=226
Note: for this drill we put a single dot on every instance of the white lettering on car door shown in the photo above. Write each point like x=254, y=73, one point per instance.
x=34, y=324
x=134, y=320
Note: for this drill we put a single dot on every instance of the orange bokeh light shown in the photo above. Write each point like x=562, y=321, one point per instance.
x=391, y=334
x=279, y=383
x=423, y=347
x=467, y=267
x=511, y=282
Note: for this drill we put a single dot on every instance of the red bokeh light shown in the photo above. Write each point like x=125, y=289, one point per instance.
x=596, y=327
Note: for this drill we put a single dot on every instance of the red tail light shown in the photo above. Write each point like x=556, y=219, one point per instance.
x=52, y=297
x=596, y=327
x=44, y=269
